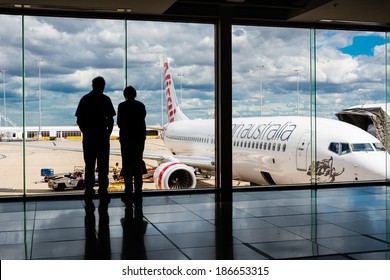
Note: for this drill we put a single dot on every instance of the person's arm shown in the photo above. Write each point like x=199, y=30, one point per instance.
x=110, y=119
x=81, y=125
x=80, y=117
x=144, y=111
x=110, y=125
x=119, y=116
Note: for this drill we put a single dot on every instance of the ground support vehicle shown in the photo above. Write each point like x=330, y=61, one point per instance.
x=72, y=180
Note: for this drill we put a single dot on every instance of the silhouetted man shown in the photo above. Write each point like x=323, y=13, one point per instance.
x=132, y=134
x=95, y=114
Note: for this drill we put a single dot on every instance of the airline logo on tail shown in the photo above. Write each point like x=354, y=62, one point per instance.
x=173, y=111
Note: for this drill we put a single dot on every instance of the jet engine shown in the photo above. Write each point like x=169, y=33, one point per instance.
x=174, y=175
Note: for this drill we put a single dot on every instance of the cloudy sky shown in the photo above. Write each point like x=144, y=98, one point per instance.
x=271, y=67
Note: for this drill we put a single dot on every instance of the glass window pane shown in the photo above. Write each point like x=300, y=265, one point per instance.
x=11, y=106
x=62, y=56
x=271, y=98
x=350, y=88
x=171, y=65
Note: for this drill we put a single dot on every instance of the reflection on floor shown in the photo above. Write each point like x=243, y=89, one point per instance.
x=342, y=223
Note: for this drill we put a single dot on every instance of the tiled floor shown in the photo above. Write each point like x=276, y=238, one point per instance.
x=340, y=223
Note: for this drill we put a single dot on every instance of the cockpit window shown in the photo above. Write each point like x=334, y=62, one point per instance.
x=379, y=146
x=345, y=149
x=362, y=147
x=334, y=147
x=339, y=148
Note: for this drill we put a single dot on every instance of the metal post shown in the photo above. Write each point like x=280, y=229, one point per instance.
x=261, y=89
x=5, y=106
x=181, y=75
x=160, y=64
x=162, y=98
x=40, y=98
x=297, y=70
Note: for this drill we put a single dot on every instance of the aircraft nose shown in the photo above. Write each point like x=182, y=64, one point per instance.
x=377, y=167
x=382, y=167
x=387, y=175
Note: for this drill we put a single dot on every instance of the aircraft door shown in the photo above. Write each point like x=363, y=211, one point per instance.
x=302, y=150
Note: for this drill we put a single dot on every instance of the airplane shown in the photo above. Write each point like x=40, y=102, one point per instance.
x=268, y=150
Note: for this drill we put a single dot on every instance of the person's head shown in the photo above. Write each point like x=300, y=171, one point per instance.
x=129, y=93
x=98, y=84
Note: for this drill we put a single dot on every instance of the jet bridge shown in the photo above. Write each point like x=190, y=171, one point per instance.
x=372, y=118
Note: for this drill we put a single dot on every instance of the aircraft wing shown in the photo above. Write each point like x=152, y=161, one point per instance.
x=196, y=162
x=205, y=163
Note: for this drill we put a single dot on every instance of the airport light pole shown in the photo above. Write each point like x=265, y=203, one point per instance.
x=297, y=70
x=162, y=96
x=40, y=97
x=261, y=89
x=181, y=75
x=5, y=106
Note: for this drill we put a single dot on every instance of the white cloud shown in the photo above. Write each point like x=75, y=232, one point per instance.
x=337, y=68
x=75, y=51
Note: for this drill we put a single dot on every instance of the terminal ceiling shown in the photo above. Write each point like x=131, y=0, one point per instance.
x=338, y=12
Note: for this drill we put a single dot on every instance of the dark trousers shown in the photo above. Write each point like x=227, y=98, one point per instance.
x=132, y=154
x=96, y=152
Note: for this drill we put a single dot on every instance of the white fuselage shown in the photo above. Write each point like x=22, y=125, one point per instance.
x=282, y=150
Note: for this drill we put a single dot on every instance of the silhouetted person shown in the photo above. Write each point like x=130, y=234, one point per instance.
x=95, y=114
x=116, y=172
x=134, y=228
x=132, y=134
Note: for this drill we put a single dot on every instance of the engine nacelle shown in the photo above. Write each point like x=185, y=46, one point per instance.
x=174, y=176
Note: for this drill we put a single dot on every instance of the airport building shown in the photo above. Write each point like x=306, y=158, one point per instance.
x=267, y=129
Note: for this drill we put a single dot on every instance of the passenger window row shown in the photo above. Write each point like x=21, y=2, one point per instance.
x=260, y=145
x=191, y=139
x=236, y=143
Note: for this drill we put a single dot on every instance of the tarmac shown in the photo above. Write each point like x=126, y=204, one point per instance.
x=43, y=154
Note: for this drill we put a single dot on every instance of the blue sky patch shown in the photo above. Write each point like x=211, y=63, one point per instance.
x=363, y=45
